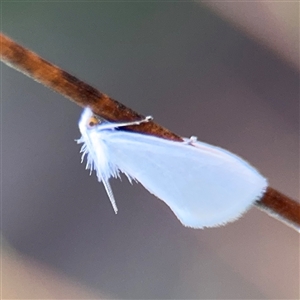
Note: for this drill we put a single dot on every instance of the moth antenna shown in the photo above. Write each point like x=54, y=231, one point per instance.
x=123, y=124
x=110, y=194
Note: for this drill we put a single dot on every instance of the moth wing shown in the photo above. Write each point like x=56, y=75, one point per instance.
x=205, y=186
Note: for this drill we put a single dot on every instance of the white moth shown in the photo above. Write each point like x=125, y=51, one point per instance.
x=204, y=185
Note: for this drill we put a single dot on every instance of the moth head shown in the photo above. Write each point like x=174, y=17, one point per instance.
x=88, y=120
x=93, y=121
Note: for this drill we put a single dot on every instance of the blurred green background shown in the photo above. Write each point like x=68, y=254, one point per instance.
x=198, y=74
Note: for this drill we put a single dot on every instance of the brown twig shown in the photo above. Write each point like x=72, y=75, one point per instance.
x=273, y=202
x=281, y=207
x=32, y=65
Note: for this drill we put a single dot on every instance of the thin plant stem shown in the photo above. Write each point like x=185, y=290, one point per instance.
x=35, y=67
x=29, y=63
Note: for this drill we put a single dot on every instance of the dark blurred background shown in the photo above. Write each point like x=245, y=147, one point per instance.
x=227, y=73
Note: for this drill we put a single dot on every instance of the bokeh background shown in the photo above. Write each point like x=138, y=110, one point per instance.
x=226, y=72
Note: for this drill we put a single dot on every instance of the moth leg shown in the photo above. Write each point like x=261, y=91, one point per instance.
x=191, y=140
x=110, y=194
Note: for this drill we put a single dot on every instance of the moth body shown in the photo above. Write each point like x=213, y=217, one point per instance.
x=204, y=185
